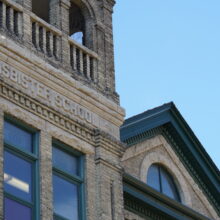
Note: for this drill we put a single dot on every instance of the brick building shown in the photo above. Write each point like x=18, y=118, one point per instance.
x=60, y=118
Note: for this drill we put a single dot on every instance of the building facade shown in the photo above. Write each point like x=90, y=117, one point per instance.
x=61, y=152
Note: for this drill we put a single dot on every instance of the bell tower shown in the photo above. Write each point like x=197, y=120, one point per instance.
x=81, y=43
x=57, y=86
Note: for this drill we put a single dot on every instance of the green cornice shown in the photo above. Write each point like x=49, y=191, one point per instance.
x=167, y=121
x=150, y=204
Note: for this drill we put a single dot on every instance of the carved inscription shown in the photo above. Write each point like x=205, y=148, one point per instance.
x=38, y=90
x=54, y=99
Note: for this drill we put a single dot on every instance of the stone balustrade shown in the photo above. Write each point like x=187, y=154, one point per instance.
x=47, y=40
x=11, y=18
x=83, y=60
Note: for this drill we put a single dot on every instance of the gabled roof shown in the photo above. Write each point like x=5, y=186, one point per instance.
x=168, y=121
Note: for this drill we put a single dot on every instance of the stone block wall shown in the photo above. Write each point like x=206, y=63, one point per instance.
x=42, y=91
x=51, y=41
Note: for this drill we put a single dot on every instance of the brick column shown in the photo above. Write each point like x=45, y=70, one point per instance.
x=59, y=17
x=64, y=12
x=54, y=13
x=59, y=14
x=64, y=8
x=109, y=194
x=109, y=47
x=27, y=26
x=46, y=176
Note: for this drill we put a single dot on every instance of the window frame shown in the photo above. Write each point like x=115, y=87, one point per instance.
x=162, y=169
x=31, y=157
x=75, y=179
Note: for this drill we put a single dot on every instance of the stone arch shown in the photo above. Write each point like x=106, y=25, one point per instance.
x=88, y=20
x=159, y=158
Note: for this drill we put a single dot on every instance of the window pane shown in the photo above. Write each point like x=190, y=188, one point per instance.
x=17, y=176
x=78, y=37
x=65, y=198
x=65, y=161
x=153, y=177
x=17, y=137
x=168, y=186
x=16, y=211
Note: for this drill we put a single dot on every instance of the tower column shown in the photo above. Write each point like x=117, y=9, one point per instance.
x=59, y=14
x=108, y=178
x=59, y=17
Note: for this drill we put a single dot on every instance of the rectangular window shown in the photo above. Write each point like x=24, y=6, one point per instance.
x=20, y=172
x=67, y=184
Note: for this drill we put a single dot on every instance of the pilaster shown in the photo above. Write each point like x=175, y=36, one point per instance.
x=64, y=27
x=109, y=48
x=46, y=176
x=59, y=14
x=108, y=178
x=105, y=48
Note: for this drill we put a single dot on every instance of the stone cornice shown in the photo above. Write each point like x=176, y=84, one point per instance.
x=89, y=97
x=103, y=139
x=84, y=131
x=77, y=128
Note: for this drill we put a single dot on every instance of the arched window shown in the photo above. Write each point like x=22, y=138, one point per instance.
x=161, y=180
x=77, y=24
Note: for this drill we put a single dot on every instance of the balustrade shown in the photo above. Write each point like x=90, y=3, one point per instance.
x=46, y=38
x=11, y=18
x=83, y=60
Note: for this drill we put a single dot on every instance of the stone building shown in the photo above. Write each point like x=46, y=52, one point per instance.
x=61, y=154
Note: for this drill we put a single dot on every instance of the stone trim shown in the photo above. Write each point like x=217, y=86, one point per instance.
x=109, y=143
x=108, y=164
x=81, y=130
x=157, y=157
x=189, y=166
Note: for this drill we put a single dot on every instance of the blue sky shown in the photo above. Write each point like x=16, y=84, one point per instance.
x=170, y=51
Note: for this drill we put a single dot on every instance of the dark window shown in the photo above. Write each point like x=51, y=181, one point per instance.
x=41, y=8
x=20, y=173
x=77, y=24
x=67, y=184
x=161, y=180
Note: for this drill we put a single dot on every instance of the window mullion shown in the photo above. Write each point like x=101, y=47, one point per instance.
x=67, y=176
x=16, y=151
x=21, y=201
